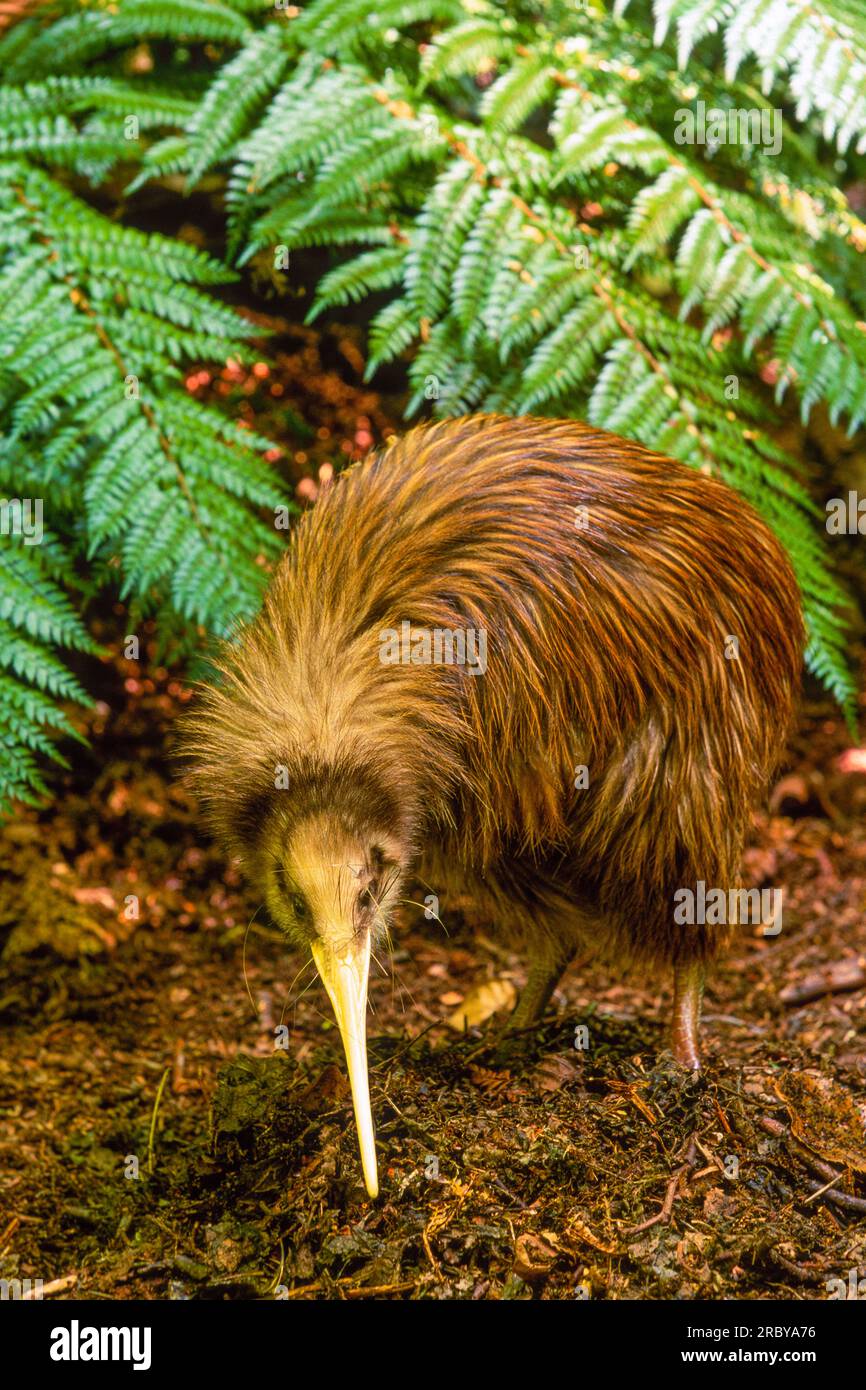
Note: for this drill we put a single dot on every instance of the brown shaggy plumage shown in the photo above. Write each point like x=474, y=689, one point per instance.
x=607, y=634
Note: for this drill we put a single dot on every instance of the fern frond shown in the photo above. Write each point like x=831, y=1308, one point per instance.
x=94, y=317
x=79, y=37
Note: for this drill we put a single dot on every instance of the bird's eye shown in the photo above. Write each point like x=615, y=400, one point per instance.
x=298, y=904
x=368, y=898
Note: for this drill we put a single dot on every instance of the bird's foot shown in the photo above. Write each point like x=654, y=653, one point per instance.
x=685, y=1052
x=686, y=1020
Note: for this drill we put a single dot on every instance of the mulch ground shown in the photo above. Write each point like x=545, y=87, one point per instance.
x=155, y=1142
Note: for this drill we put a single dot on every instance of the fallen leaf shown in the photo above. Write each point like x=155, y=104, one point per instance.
x=492, y=1082
x=824, y=1118
x=533, y=1258
x=555, y=1071
x=481, y=1003
x=578, y=1230
x=329, y=1087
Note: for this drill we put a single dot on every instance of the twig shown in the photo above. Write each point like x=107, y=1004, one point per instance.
x=836, y=978
x=826, y=1171
x=165, y=1075
x=10, y=1231
x=797, y=1272
x=735, y=1022
x=842, y=1199
x=780, y=1131
x=395, y=1057
x=360, y=1291
x=54, y=1286
x=671, y=1195
x=375, y=1290
x=820, y=1192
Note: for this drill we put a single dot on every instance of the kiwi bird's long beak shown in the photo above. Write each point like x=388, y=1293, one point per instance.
x=344, y=974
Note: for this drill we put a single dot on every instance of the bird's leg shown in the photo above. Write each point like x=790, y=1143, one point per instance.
x=545, y=971
x=686, y=1020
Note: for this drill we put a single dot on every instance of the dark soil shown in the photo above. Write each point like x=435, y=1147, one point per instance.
x=571, y=1171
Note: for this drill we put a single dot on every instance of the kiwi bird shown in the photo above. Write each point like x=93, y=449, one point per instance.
x=522, y=657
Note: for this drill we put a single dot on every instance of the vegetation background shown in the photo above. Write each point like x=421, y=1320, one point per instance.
x=241, y=243
x=500, y=186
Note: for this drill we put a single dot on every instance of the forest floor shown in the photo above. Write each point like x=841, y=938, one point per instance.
x=154, y=1142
